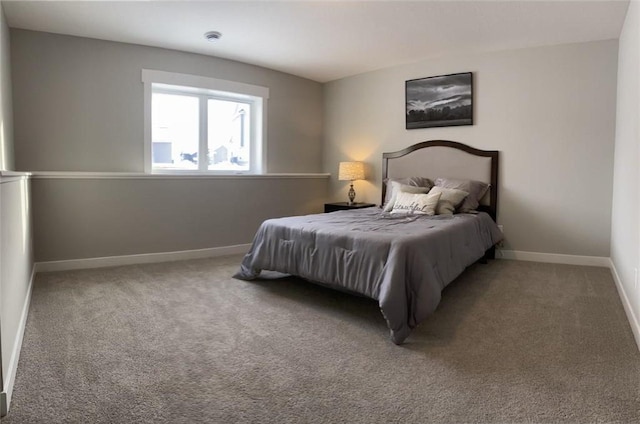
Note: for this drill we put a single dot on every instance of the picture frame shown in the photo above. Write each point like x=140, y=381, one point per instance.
x=440, y=101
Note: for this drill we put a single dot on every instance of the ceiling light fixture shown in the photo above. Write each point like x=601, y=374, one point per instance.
x=212, y=35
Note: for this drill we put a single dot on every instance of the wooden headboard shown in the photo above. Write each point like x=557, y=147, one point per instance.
x=442, y=158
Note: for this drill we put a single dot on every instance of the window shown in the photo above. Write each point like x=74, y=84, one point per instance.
x=197, y=124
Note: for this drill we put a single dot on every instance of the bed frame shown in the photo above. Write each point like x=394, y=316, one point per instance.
x=442, y=158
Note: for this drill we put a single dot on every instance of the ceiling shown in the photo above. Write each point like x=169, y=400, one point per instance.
x=328, y=40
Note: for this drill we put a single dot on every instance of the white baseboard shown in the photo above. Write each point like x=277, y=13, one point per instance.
x=5, y=395
x=631, y=316
x=144, y=258
x=554, y=258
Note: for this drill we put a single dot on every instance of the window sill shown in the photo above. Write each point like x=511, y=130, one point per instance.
x=167, y=176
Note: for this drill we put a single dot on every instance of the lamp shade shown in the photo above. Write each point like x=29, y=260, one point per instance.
x=350, y=171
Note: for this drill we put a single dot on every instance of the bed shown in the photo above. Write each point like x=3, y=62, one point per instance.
x=403, y=261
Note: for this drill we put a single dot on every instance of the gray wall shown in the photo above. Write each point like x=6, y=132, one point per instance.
x=6, y=106
x=625, y=231
x=78, y=104
x=551, y=113
x=92, y=218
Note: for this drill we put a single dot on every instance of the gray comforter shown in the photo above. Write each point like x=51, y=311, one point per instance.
x=402, y=262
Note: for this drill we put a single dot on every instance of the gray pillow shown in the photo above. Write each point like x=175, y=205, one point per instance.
x=410, y=181
x=476, y=190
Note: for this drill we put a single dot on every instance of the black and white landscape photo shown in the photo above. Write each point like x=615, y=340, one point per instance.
x=439, y=101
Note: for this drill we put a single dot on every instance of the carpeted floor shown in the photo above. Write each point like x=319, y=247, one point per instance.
x=183, y=342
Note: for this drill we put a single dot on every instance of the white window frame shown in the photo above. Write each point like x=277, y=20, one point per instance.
x=205, y=87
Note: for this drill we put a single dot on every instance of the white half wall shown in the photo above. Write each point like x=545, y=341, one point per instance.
x=550, y=111
x=16, y=275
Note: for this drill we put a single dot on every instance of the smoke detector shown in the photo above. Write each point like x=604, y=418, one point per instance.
x=212, y=35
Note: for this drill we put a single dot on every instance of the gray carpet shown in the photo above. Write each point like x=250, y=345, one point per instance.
x=184, y=343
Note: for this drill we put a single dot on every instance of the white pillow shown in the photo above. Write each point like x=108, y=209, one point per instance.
x=419, y=204
x=450, y=199
x=410, y=181
x=396, y=188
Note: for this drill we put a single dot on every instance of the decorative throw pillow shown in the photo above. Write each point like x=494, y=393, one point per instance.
x=419, y=204
x=396, y=187
x=410, y=181
x=476, y=190
x=450, y=199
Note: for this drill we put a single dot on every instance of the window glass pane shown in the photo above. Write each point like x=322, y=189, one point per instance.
x=228, y=135
x=174, y=131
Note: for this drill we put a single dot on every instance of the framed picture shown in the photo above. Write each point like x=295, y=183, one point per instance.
x=442, y=101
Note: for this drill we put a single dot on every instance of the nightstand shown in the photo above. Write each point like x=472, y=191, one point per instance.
x=341, y=206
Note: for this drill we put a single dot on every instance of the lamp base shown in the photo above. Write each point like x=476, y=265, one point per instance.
x=352, y=195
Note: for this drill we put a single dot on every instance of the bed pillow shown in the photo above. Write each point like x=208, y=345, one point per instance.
x=476, y=190
x=395, y=187
x=450, y=199
x=410, y=181
x=419, y=204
